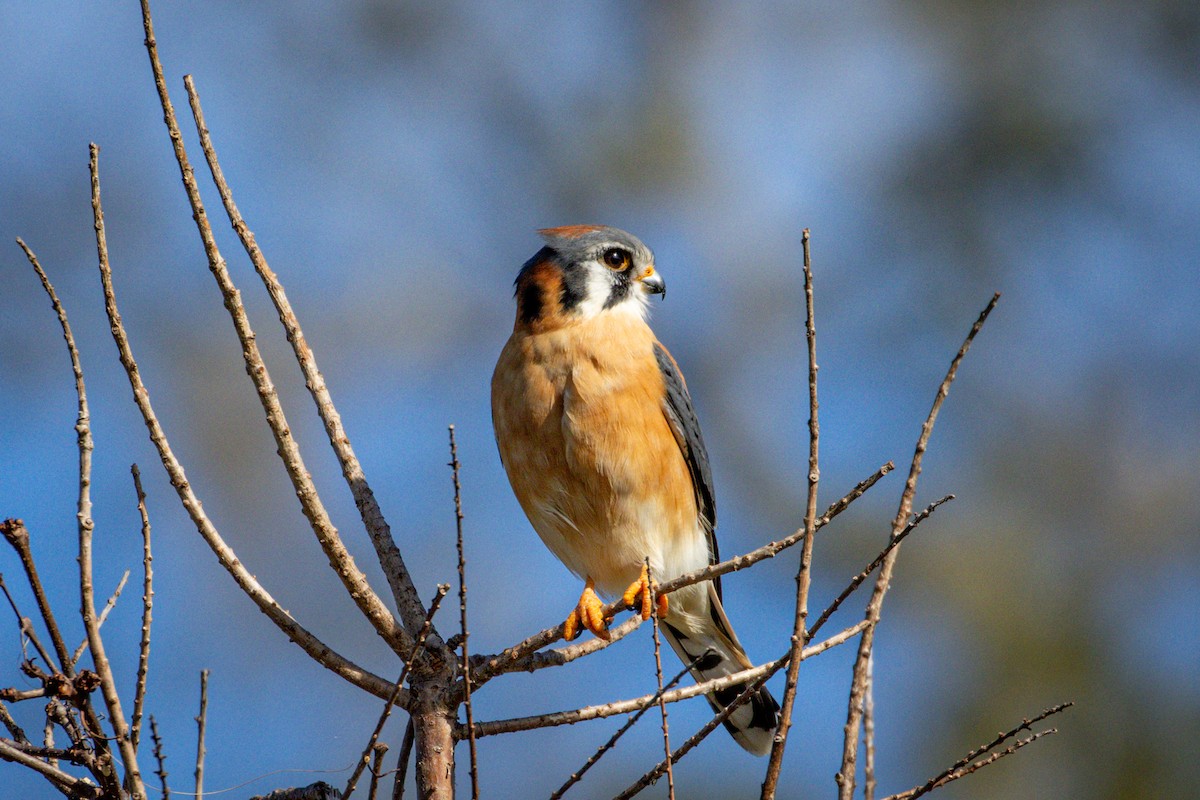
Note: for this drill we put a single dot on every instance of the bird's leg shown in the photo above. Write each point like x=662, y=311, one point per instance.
x=589, y=613
x=640, y=595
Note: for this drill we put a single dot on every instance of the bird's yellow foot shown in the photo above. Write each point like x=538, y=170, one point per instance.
x=640, y=596
x=589, y=613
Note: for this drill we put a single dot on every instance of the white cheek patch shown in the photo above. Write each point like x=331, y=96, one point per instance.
x=600, y=282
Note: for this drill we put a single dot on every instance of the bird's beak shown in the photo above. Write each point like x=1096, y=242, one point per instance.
x=654, y=283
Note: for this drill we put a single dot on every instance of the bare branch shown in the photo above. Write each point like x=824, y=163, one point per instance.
x=314, y=647
x=516, y=658
x=892, y=544
x=378, y=752
x=78, y=787
x=804, y=573
x=404, y=592
x=612, y=741
x=406, y=746
x=85, y=525
x=869, y=730
x=662, y=705
x=13, y=728
x=846, y=775
x=104, y=612
x=139, y=691
x=15, y=533
x=201, y=727
x=964, y=765
x=108, y=684
x=464, y=632
x=340, y=560
x=161, y=758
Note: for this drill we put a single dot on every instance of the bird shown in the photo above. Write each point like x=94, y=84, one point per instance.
x=600, y=441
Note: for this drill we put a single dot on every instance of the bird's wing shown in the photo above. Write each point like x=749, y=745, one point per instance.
x=677, y=407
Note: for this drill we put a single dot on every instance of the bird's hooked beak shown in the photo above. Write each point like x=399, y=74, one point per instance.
x=654, y=283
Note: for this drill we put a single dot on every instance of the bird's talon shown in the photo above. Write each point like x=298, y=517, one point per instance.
x=588, y=613
x=640, y=596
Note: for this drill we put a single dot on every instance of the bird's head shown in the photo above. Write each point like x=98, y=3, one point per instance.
x=584, y=271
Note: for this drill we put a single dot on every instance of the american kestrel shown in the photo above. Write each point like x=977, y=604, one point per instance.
x=603, y=450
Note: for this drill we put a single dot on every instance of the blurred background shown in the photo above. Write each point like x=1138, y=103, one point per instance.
x=394, y=161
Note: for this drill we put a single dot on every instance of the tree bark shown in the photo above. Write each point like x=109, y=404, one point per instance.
x=433, y=725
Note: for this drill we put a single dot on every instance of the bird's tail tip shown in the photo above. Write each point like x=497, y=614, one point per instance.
x=753, y=724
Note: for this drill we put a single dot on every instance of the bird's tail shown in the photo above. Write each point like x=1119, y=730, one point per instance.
x=707, y=641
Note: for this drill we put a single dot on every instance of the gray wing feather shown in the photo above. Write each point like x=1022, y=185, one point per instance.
x=677, y=406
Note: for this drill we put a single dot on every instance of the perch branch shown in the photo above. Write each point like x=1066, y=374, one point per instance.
x=626, y=706
x=517, y=657
x=846, y=775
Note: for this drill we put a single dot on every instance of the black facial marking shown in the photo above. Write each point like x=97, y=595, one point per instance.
x=574, y=287
x=530, y=302
x=620, y=290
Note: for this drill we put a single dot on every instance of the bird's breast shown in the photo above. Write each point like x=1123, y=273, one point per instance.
x=580, y=425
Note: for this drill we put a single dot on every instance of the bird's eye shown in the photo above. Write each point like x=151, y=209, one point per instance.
x=616, y=258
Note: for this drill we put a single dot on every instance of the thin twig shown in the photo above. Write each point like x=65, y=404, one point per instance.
x=516, y=658
x=464, y=632
x=295, y=632
x=15, y=533
x=866, y=571
x=964, y=765
x=869, y=731
x=13, y=728
x=340, y=560
x=108, y=684
x=83, y=516
x=573, y=716
x=404, y=592
x=725, y=713
x=662, y=706
x=750, y=691
x=804, y=573
x=161, y=758
x=426, y=627
x=578, y=774
x=143, y=670
x=377, y=754
x=104, y=612
x=201, y=727
x=846, y=775
x=77, y=787
x=406, y=746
